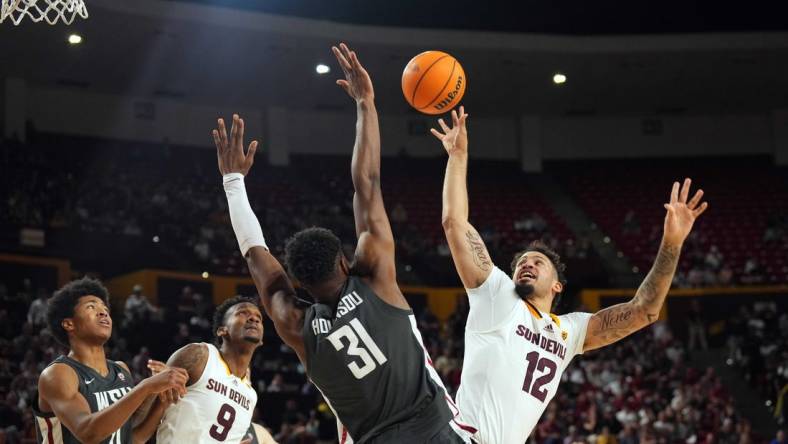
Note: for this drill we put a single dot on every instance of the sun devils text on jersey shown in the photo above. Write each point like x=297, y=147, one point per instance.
x=514, y=358
x=368, y=360
x=216, y=408
x=99, y=391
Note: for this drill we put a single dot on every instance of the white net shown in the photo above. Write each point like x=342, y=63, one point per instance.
x=51, y=11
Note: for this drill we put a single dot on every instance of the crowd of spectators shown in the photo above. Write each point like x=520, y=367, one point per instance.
x=757, y=342
x=163, y=206
x=641, y=390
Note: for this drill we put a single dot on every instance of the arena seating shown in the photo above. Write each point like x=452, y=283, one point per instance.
x=640, y=390
x=748, y=198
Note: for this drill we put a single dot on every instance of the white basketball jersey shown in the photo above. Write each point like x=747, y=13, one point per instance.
x=216, y=408
x=514, y=358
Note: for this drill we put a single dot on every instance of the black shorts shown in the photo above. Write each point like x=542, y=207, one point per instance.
x=447, y=435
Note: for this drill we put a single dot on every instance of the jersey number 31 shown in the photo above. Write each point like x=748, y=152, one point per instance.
x=355, y=332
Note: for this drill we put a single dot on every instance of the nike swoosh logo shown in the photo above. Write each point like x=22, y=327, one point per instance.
x=89, y=381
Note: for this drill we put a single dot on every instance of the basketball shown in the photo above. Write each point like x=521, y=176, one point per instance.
x=433, y=82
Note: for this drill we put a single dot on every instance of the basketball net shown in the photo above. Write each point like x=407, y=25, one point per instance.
x=51, y=11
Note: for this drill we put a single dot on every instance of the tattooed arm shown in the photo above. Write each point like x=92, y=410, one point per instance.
x=192, y=358
x=467, y=247
x=614, y=323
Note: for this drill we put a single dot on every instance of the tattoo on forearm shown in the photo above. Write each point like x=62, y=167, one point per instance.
x=478, y=251
x=615, y=323
x=655, y=286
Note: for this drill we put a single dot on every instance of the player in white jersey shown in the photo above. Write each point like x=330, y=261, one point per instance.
x=219, y=399
x=515, y=349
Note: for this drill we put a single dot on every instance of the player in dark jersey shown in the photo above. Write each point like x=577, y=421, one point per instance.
x=358, y=341
x=84, y=397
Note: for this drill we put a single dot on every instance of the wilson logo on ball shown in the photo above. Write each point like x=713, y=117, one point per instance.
x=433, y=82
x=450, y=97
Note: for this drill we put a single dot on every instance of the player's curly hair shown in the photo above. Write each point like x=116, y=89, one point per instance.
x=311, y=255
x=61, y=304
x=221, y=312
x=555, y=258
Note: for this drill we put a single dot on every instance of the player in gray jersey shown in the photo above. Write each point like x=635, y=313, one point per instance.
x=86, y=398
x=358, y=341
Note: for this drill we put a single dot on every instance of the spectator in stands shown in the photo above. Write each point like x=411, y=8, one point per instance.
x=752, y=271
x=631, y=225
x=399, y=215
x=532, y=222
x=277, y=384
x=37, y=314
x=291, y=415
x=713, y=258
x=137, y=307
x=628, y=435
x=779, y=438
x=696, y=326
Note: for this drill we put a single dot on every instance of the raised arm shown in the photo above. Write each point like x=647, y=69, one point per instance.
x=276, y=291
x=375, y=250
x=59, y=388
x=614, y=323
x=470, y=255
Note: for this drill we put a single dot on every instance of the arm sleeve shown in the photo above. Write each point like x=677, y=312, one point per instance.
x=575, y=324
x=492, y=302
x=245, y=224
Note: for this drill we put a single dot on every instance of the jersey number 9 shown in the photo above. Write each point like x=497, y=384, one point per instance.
x=224, y=420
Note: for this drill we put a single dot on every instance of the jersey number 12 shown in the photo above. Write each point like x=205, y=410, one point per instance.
x=535, y=363
x=355, y=332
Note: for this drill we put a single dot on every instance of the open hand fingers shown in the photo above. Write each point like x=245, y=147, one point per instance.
x=344, y=84
x=344, y=64
x=674, y=193
x=695, y=200
x=217, y=141
x=250, y=155
x=443, y=125
x=698, y=211
x=354, y=62
x=156, y=366
x=222, y=133
x=235, y=129
x=455, y=120
x=685, y=190
x=345, y=51
x=437, y=133
x=240, y=132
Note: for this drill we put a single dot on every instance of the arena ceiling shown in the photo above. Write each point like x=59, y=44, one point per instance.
x=232, y=57
x=575, y=17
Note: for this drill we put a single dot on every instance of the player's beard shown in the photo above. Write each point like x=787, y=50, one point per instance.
x=253, y=340
x=524, y=290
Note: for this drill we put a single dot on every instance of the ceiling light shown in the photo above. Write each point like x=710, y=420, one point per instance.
x=75, y=39
x=559, y=78
x=322, y=69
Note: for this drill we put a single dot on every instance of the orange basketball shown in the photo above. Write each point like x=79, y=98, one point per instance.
x=433, y=82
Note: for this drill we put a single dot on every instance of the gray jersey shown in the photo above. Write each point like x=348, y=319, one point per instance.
x=368, y=360
x=99, y=392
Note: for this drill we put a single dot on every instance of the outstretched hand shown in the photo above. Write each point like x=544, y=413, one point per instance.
x=230, y=152
x=454, y=139
x=356, y=83
x=681, y=215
